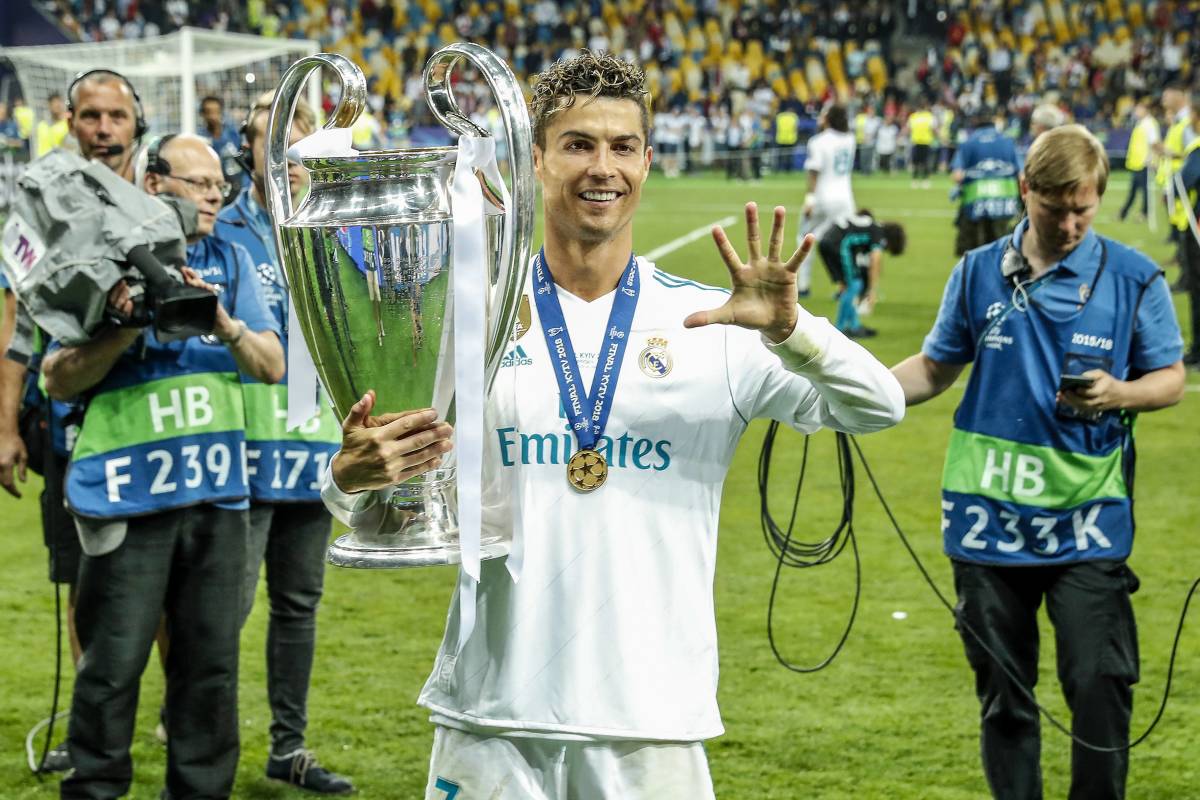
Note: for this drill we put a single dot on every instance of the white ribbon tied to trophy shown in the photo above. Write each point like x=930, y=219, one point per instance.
x=470, y=282
x=303, y=384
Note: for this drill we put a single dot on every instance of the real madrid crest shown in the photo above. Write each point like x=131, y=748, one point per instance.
x=655, y=360
x=521, y=324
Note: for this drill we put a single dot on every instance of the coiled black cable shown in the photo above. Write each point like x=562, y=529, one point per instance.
x=792, y=553
x=801, y=555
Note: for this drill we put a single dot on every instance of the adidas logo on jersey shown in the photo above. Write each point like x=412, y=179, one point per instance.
x=516, y=358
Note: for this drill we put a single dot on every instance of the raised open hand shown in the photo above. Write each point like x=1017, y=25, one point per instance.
x=764, y=288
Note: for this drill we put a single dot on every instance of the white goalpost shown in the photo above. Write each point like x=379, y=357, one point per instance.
x=171, y=73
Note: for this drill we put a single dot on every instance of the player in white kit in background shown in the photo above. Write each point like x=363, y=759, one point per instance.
x=595, y=674
x=829, y=164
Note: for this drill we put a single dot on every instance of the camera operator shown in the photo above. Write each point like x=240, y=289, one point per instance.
x=1071, y=335
x=289, y=525
x=105, y=120
x=160, y=495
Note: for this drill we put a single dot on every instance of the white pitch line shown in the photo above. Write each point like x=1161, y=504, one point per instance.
x=686, y=239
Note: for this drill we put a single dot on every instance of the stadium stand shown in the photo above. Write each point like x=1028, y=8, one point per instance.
x=1092, y=58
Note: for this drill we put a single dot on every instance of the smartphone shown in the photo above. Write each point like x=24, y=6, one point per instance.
x=1066, y=381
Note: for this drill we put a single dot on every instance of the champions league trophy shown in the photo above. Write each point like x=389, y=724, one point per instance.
x=374, y=278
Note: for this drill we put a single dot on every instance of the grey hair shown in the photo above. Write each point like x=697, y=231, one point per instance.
x=1047, y=116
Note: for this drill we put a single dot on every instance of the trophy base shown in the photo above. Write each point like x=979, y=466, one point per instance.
x=416, y=525
x=348, y=551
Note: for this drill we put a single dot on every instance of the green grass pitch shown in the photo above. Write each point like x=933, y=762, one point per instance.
x=894, y=716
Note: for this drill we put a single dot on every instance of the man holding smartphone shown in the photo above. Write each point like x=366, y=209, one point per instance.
x=1071, y=335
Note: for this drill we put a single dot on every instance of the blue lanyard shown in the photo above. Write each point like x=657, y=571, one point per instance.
x=587, y=428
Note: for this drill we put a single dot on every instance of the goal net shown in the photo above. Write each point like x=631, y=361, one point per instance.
x=171, y=73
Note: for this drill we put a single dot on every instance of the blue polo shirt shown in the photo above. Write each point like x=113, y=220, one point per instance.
x=165, y=428
x=990, y=164
x=1190, y=174
x=249, y=225
x=1026, y=481
x=1158, y=342
x=227, y=144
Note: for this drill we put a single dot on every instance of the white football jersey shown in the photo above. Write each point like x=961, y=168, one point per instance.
x=610, y=631
x=831, y=155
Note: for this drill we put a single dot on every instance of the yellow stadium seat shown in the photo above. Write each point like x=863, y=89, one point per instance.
x=1137, y=16
x=814, y=71
x=799, y=85
x=1123, y=106
x=877, y=73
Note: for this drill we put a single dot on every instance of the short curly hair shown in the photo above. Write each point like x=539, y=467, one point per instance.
x=590, y=75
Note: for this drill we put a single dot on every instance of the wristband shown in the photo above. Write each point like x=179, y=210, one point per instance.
x=238, y=336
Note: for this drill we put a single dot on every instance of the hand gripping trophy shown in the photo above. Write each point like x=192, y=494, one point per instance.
x=405, y=269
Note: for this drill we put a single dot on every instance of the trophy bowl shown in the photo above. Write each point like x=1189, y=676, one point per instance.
x=369, y=256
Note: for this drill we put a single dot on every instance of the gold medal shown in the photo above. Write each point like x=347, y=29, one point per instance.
x=587, y=470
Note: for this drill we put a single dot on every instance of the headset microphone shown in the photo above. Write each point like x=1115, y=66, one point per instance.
x=111, y=150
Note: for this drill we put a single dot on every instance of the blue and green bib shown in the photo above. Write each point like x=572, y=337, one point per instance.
x=284, y=466
x=165, y=429
x=990, y=167
x=1027, y=482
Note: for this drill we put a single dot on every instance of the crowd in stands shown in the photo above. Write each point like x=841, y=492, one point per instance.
x=1094, y=59
x=726, y=73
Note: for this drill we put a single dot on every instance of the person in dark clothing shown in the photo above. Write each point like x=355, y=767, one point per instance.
x=852, y=252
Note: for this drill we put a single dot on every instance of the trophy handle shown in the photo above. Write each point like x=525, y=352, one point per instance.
x=518, y=215
x=279, y=124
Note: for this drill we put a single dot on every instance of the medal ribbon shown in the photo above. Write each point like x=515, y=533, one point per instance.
x=588, y=414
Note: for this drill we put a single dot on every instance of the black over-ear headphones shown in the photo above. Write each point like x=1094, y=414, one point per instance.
x=155, y=163
x=140, y=127
x=245, y=154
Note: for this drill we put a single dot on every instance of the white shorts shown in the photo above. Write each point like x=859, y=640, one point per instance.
x=469, y=767
x=820, y=220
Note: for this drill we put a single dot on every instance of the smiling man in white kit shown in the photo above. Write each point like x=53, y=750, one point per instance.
x=610, y=429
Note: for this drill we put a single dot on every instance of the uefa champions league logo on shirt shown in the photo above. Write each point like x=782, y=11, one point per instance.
x=266, y=273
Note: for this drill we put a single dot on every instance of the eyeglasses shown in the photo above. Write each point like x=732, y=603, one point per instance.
x=203, y=185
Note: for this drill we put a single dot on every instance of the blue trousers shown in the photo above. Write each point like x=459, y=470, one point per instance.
x=847, y=311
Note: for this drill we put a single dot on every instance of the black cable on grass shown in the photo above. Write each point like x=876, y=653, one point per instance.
x=797, y=554
x=802, y=555
x=1025, y=690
